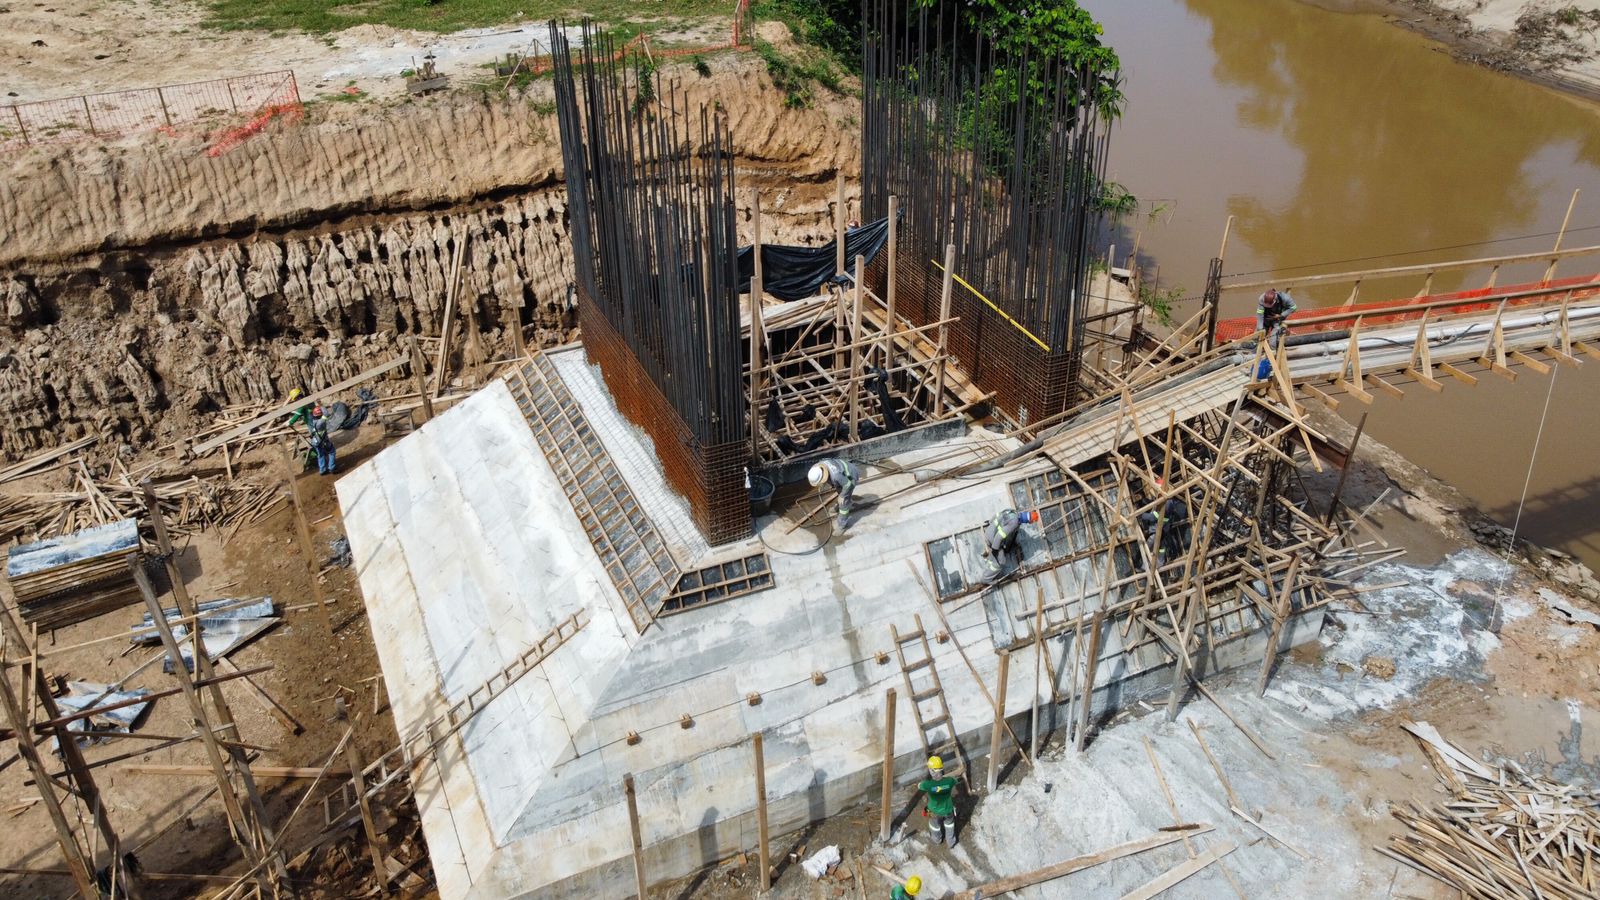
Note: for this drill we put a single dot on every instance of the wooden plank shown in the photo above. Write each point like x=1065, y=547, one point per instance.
x=285, y=409
x=1542, y=368
x=1236, y=723
x=185, y=771
x=887, y=815
x=761, y=812
x=1264, y=830
x=1178, y=873
x=1457, y=374
x=1079, y=863
x=641, y=888
x=1427, y=381
x=1385, y=386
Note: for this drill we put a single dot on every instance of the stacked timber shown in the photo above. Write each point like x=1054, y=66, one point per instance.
x=1504, y=833
x=61, y=580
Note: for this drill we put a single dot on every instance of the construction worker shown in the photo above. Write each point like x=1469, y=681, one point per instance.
x=321, y=443
x=1172, y=521
x=844, y=476
x=1000, y=539
x=1272, y=308
x=940, y=808
x=911, y=888
x=302, y=413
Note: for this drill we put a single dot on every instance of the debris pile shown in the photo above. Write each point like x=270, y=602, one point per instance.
x=1504, y=832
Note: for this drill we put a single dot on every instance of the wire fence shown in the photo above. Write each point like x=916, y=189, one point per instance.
x=174, y=108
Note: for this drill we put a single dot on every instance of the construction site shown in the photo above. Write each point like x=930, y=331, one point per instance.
x=602, y=491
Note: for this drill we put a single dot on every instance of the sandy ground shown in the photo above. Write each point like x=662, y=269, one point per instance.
x=309, y=666
x=1487, y=31
x=62, y=48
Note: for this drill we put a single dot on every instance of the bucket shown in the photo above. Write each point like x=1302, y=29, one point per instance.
x=761, y=489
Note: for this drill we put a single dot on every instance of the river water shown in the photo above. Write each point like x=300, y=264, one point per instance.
x=1340, y=141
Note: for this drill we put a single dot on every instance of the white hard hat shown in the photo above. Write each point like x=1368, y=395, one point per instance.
x=817, y=475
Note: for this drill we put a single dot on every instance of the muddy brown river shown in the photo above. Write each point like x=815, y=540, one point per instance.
x=1340, y=141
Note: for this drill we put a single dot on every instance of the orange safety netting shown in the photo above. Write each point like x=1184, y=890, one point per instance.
x=1386, y=311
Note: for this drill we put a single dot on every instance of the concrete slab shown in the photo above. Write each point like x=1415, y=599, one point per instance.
x=467, y=551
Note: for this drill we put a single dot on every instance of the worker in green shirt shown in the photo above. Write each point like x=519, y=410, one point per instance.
x=302, y=414
x=911, y=888
x=941, y=802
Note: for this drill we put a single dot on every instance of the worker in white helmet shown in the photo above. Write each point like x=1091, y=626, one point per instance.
x=844, y=476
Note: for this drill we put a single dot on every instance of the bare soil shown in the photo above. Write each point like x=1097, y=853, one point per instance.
x=311, y=665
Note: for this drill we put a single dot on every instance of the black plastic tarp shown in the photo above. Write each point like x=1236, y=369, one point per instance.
x=794, y=273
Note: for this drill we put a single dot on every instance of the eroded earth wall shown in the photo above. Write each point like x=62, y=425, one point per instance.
x=145, y=288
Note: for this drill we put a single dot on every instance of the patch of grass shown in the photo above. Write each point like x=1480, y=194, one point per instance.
x=701, y=66
x=796, y=78
x=322, y=16
x=1159, y=301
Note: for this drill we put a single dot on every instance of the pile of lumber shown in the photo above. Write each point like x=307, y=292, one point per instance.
x=190, y=505
x=1504, y=832
x=62, y=580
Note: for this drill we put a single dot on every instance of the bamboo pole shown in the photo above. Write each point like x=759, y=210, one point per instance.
x=448, y=324
x=761, y=813
x=999, y=720
x=1092, y=659
x=1349, y=460
x=887, y=815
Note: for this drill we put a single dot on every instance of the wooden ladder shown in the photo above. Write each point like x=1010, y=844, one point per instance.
x=938, y=734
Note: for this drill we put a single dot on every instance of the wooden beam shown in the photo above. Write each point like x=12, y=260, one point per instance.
x=640, y=888
x=1587, y=349
x=1543, y=368
x=999, y=721
x=855, y=352
x=1319, y=395
x=944, y=316
x=1457, y=374
x=285, y=409
x=761, y=813
x=1385, y=386
x=420, y=378
x=1091, y=662
x=1178, y=873
x=78, y=865
x=447, y=324
x=887, y=814
x=1418, y=269
x=369, y=826
x=1079, y=863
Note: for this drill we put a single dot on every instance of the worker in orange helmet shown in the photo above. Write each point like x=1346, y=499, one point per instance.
x=1000, y=539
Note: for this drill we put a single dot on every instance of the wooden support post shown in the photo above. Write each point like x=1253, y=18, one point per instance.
x=420, y=378
x=1280, y=617
x=1038, y=664
x=78, y=865
x=1550, y=271
x=638, y=840
x=887, y=816
x=999, y=721
x=448, y=323
x=352, y=755
x=761, y=814
x=757, y=340
x=888, y=340
x=158, y=522
x=303, y=532
x=854, y=386
x=513, y=317
x=944, y=329
x=838, y=226
x=1092, y=660
x=243, y=833
x=1349, y=460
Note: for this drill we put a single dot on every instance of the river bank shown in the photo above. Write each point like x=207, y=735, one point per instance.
x=1551, y=42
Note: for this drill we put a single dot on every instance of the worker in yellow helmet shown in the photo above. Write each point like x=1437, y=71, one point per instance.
x=940, y=809
x=911, y=888
x=302, y=413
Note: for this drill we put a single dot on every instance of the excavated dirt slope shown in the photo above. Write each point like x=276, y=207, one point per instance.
x=145, y=286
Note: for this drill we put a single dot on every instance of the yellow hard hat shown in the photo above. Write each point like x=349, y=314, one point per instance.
x=295, y=394
x=935, y=762
x=913, y=885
